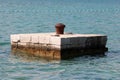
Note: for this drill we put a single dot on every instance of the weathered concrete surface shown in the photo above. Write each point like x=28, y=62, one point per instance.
x=50, y=45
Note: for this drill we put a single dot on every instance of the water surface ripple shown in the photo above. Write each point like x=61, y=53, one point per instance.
x=80, y=16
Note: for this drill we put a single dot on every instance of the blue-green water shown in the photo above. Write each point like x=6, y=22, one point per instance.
x=80, y=16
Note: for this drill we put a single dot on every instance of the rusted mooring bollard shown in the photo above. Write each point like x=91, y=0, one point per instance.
x=59, y=28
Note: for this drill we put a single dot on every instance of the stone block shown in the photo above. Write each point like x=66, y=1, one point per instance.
x=23, y=44
x=14, y=45
x=74, y=40
x=103, y=40
x=35, y=39
x=47, y=40
x=65, y=41
x=88, y=42
x=69, y=46
x=66, y=46
x=57, y=55
x=56, y=46
x=44, y=39
x=81, y=42
x=15, y=38
x=25, y=38
x=55, y=40
x=49, y=55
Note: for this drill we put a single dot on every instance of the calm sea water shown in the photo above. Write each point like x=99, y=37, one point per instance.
x=80, y=16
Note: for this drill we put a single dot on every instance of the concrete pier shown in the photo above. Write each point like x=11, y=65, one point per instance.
x=62, y=46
